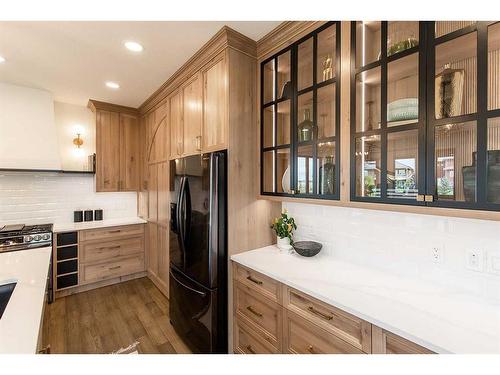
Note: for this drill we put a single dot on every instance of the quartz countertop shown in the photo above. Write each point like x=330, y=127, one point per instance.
x=68, y=227
x=440, y=317
x=22, y=318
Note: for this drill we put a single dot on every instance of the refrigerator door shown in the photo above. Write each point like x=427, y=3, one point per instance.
x=176, y=186
x=193, y=312
x=194, y=218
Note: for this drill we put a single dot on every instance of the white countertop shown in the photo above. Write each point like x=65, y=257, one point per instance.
x=68, y=227
x=20, y=323
x=439, y=317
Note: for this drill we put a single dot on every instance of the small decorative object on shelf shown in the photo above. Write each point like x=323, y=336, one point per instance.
x=401, y=46
x=306, y=127
x=307, y=248
x=284, y=227
x=286, y=90
x=449, y=92
x=327, y=68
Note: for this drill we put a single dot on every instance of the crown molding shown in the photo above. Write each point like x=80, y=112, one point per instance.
x=283, y=35
x=225, y=38
x=95, y=105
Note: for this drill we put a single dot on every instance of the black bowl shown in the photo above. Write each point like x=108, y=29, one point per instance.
x=307, y=248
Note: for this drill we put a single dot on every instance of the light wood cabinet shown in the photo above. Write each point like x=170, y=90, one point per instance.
x=192, y=104
x=176, y=130
x=107, y=151
x=117, y=147
x=385, y=342
x=270, y=317
x=215, y=105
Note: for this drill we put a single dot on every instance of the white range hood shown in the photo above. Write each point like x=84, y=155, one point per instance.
x=28, y=136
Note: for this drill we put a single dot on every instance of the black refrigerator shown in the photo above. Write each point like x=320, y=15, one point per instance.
x=198, y=251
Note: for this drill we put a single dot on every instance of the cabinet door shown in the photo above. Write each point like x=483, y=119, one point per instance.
x=107, y=151
x=152, y=248
x=192, y=98
x=385, y=342
x=163, y=256
x=176, y=132
x=153, y=192
x=161, y=136
x=215, y=92
x=129, y=153
x=163, y=192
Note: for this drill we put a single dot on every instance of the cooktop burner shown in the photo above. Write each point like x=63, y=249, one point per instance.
x=20, y=236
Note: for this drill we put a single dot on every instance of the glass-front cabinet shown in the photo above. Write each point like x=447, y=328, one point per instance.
x=425, y=113
x=300, y=117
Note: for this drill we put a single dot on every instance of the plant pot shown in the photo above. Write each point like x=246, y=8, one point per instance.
x=283, y=243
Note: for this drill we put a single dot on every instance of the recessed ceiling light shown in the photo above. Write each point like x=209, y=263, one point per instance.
x=112, y=85
x=133, y=46
x=2, y=59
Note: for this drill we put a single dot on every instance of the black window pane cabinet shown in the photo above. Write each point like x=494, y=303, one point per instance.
x=300, y=117
x=425, y=104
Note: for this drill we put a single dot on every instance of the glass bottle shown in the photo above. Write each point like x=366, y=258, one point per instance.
x=306, y=127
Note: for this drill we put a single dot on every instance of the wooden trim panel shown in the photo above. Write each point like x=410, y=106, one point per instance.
x=111, y=232
x=95, y=105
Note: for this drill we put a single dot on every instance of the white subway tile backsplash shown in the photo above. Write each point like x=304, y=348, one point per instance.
x=401, y=242
x=32, y=198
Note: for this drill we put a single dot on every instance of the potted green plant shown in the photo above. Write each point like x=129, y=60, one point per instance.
x=284, y=226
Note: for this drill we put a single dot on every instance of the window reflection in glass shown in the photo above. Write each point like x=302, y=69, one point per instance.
x=446, y=27
x=456, y=161
x=326, y=168
x=305, y=64
x=402, y=156
x=283, y=123
x=305, y=170
x=326, y=111
x=368, y=159
x=269, y=126
x=268, y=173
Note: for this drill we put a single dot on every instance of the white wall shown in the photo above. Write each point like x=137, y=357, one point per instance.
x=71, y=119
x=37, y=198
x=403, y=242
x=28, y=136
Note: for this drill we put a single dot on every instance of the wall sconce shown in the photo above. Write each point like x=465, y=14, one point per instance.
x=78, y=141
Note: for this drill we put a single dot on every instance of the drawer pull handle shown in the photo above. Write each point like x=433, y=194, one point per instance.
x=319, y=313
x=250, y=349
x=250, y=278
x=310, y=349
x=114, y=268
x=253, y=311
x=115, y=231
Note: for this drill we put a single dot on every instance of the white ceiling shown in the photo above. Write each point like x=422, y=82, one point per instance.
x=74, y=59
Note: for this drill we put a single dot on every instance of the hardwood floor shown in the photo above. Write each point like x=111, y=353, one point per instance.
x=107, y=319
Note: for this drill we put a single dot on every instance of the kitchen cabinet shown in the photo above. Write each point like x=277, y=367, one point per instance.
x=300, y=117
x=425, y=105
x=215, y=105
x=270, y=317
x=117, y=147
x=176, y=129
x=92, y=258
x=192, y=105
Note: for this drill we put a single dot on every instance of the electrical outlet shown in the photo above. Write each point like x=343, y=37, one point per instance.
x=494, y=262
x=474, y=260
x=437, y=254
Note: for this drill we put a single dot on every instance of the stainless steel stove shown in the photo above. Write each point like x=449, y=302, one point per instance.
x=23, y=237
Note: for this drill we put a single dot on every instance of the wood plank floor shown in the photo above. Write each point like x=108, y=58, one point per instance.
x=107, y=319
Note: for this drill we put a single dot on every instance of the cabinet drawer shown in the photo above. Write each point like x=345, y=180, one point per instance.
x=107, y=270
x=259, y=282
x=304, y=337
x=349, y=328
x=385, y=342
x=264, y=313
x=248, y=341
x=97, y=251
x=111, y=232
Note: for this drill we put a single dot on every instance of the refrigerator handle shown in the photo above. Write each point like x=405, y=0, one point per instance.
x=180, y=224
x=203, y=294
x=186, y=220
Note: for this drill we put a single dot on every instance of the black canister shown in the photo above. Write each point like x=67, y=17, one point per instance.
x=89, y=215
x=98, y=215
x=78, y=216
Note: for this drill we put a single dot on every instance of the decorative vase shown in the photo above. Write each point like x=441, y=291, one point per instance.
x=306, y=127
x=283, y=243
